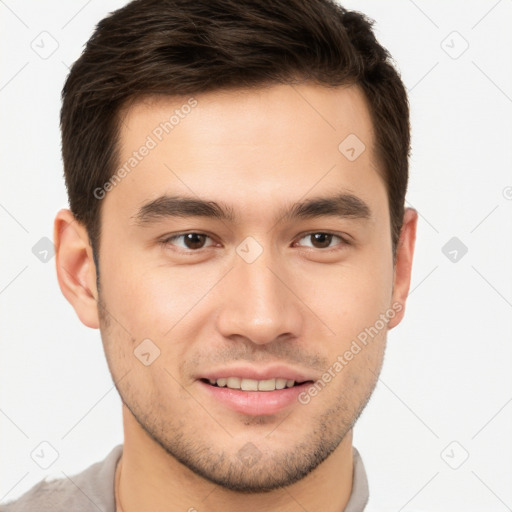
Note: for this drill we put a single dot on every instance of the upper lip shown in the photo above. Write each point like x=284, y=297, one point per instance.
x=255, y=373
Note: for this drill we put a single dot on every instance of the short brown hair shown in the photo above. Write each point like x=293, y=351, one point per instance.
x=184, y=47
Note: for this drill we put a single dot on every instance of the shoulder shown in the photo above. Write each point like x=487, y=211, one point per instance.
x=90, y=490
x=53, y=495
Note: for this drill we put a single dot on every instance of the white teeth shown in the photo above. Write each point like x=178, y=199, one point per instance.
x=267, y=385
x=280, y=383
x=249, y=385
x=234, y=382
x=252, y=384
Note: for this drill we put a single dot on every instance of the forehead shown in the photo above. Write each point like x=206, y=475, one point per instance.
x=247, y=145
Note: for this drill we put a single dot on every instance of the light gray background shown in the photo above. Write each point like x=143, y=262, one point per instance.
x=445, y=391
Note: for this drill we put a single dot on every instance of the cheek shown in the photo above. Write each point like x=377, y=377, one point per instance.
x=348, y=297
x=149, y=300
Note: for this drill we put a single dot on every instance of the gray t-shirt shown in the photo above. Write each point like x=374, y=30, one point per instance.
x=92, y=490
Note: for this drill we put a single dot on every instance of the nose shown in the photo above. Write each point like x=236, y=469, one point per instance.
x=258, y=302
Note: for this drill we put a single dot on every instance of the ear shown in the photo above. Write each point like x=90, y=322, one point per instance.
x=76, y=271
x=403, y=264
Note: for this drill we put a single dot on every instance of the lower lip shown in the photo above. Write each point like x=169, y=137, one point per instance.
x=256, y=403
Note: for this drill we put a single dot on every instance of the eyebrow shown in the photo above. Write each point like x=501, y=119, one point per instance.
x=343, y=205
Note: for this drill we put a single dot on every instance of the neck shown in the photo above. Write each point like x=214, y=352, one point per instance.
x=149, y=479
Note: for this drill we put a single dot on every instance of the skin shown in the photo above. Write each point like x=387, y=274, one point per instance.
x=297, y=304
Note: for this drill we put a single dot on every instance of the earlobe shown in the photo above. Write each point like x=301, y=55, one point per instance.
x=403, y=264
x=76, y=271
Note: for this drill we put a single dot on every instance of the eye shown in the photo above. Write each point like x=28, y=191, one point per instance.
x=189, y=241
x=321, y=240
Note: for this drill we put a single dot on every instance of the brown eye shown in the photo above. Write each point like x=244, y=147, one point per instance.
x=194, y=240
x=189, y=241
x=321, y=240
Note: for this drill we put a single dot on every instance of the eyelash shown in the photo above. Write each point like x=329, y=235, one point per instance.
x=343, y=241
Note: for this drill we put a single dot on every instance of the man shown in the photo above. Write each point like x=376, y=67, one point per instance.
x=236, y=172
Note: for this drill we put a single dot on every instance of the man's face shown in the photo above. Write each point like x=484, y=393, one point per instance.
x=263, y=292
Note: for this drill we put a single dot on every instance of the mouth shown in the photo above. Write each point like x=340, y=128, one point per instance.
x=251, y=396
x=244, y=384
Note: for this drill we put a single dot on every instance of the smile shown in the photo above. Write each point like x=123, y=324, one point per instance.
x=253, y=384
